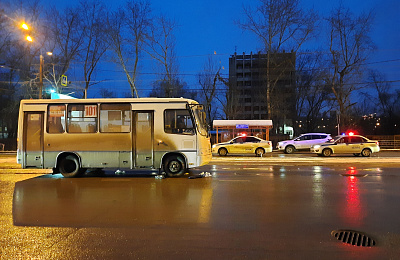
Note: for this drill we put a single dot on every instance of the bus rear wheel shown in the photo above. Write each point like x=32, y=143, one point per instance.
x=174, y=166
x=69, y=167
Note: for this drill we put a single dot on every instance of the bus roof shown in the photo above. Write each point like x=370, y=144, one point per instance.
x=110, y=100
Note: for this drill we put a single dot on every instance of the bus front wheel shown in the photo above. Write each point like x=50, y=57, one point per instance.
x=174, y=166
x=69, y=167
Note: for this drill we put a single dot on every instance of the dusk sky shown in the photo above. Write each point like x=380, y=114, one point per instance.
x=207, y=27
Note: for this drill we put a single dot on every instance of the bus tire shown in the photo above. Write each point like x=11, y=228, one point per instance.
x=69, y=167
x=174, y=166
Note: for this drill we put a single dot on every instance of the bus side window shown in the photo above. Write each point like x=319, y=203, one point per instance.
x=115, y=118
x=178, y=121
x=82, y=118
x=56, y=119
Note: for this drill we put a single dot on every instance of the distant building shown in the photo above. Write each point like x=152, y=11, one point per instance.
x=248, y=87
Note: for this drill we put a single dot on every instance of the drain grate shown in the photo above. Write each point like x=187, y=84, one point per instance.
x=354, y=238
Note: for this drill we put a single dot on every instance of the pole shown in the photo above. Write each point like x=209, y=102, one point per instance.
x=41, y=76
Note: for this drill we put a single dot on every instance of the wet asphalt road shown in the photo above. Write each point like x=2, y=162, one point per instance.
x=248, y=209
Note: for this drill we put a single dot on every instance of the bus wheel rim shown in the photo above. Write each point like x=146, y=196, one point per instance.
x=174, y=166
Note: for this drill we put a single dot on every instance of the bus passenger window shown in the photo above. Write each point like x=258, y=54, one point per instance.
x=56, y=119
x=115, y=118
x=178, y=121
x=82, y=118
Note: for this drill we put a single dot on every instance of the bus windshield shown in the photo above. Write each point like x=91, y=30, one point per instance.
x=201, y=121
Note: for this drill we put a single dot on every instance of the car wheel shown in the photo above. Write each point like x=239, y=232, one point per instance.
x=356, y=154
x=174, y=166
x=260, y=152
x=222, y=151
x=326, y=152
x=69, y=167
x=289, y=149
x=366, y=152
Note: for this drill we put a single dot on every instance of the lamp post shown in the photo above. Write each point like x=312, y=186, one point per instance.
x=41, y=76
x=41, y=62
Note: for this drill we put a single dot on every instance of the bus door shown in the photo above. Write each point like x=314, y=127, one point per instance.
x=33, y=139
x=143, y=133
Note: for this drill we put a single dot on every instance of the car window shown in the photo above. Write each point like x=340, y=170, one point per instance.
x=304, y=137
x=252, y=140
x=357, y=139
x=239, y=140
x=343, y=140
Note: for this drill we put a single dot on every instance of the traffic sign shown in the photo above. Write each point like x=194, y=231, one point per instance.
x=64, y=81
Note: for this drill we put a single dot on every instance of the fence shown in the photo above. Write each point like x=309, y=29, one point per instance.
x=386, y=141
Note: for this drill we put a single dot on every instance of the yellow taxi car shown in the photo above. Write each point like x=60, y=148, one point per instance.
x=243, y=144
x=347, y=144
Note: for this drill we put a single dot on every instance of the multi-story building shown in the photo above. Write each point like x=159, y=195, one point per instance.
x=248, y=79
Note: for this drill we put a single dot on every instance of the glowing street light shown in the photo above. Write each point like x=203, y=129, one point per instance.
x=30, y=39
x=24, y=26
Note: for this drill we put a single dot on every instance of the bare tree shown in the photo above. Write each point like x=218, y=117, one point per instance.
x=208, y=81
x=280, y=25
x=95, y=44
x=313, y=96
x=383, y=101
x=127, y=30
x=349, y=46
x=66, y=30
x=229, y=99
x=105, y=93
x=386, y=99
x=161, y=47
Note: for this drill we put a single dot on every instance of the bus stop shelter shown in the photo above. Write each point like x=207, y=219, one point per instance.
x=227, y=129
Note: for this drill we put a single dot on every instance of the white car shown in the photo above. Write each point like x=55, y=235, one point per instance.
x=353, y=144
x=303, y=142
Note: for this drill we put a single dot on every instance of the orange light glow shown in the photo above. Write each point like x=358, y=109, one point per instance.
x=29, y=38
x=24, y=26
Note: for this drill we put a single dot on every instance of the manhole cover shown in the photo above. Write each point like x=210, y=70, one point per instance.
x=354, y=238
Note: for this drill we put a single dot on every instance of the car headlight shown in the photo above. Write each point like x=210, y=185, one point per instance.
x=214, y=145
x=316, y=146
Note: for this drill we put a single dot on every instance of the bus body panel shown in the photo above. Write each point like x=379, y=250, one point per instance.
x=144, y=146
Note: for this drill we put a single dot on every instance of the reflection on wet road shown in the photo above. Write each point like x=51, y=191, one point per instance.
x=244, y=210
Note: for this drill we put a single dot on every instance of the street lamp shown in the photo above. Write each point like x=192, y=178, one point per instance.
x=41, y=62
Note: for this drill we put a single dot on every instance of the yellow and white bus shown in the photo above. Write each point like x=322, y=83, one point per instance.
x=73, y=135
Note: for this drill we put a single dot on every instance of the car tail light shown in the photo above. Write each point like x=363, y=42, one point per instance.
x=377, y=143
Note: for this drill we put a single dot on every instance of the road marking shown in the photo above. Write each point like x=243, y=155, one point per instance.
x=235, y=180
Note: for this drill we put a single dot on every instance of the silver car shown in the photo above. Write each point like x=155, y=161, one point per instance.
x=303, y=142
